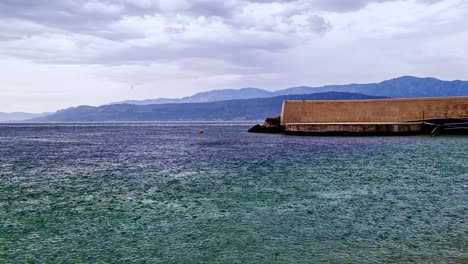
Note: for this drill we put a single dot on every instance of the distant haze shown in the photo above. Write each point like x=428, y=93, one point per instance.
x=253, y=104
x=56, y=54
x=402, y=87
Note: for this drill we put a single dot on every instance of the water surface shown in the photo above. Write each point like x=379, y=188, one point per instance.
x=162, y=193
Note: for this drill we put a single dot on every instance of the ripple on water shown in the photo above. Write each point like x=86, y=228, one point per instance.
x=163, y=193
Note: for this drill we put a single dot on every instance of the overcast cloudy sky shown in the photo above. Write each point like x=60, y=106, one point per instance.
x=60, y=53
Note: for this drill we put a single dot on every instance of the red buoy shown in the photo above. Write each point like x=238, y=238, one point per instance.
x=202, y=131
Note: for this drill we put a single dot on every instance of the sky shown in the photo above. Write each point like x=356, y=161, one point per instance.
x=56, y=54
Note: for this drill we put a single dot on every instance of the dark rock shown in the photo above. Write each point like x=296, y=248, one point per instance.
x=256, y=129
x=271, y=125
x=272, y=122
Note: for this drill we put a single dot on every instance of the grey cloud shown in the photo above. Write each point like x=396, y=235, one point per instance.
x=352, y=5
x=73, y=16
x=123, y=31
x=92, y=16
x=126, y=31
x=344, y=6
x=189, y=45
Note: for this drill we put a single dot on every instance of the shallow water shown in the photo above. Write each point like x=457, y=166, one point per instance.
x=162, y=193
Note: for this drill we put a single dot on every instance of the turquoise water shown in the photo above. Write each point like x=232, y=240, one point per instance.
x=162, y=193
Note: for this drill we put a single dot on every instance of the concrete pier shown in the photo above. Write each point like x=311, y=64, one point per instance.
x=376, y=111
x=370, y=117
x=356, y=128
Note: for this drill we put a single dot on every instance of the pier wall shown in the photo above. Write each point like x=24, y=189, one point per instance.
x=384, y=110
x=355, y=128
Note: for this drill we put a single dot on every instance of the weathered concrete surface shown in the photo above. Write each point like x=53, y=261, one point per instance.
x=382, y=128
x=384, y=110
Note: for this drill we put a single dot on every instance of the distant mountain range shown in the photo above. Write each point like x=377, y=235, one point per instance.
x=244, y=104
x=19, y=116
x=403, y=87
x=240, y=109
x=205, y=97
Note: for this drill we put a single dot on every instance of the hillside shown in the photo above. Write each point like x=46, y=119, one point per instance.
x=205, y=97
x=246, y=109
x=403, y=87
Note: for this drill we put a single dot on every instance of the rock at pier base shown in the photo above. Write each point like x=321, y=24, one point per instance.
x=272, y=125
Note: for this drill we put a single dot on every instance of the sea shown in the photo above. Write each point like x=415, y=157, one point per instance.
x=164, y=193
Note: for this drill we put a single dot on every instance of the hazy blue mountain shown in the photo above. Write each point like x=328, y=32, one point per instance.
x=149, y=101
x=227, y=94
x=19, y=116
x=240, y=109
x=205, y=97
x=403, y=87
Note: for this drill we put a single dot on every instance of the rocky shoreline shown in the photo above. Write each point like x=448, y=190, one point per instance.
x=271, y=125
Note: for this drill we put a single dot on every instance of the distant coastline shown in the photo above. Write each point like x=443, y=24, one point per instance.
x=242, y=104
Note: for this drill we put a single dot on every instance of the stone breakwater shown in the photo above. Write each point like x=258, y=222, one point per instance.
x=370, y=117
x=272, y=125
